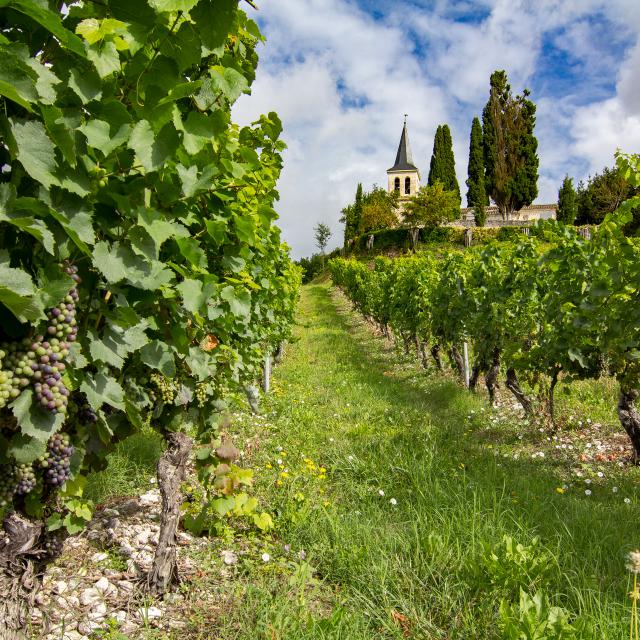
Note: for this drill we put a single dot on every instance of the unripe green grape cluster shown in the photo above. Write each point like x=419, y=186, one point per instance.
x=17, y=362
x=164, y=386
x=203, y=391
x=7, y=485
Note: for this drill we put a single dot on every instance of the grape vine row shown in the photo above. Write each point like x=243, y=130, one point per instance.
x=535, y=310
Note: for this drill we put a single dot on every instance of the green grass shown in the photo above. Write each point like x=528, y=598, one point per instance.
x=344, y=563
x=129, y=468
x=424, y=567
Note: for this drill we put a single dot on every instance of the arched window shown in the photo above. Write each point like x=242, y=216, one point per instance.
x=407, y=185
x=397, y=184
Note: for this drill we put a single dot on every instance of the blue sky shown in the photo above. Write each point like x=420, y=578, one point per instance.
x=341, y=74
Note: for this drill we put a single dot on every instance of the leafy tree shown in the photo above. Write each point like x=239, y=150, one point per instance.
x=567, y=205
x=510, y=148
x=351, y=216
x=443, y=165
x=311, y=267
x=379, y=210
x=431, y=207
x=322, y=233
x=476, y=192
x=602, y=194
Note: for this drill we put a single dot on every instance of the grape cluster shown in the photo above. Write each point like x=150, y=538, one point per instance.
x=25, y=479
x=51, y=392
x=57, y=460
x=84, y=413
x=17, y=364
x=7, y=485
x=165, y=387
x=203, y=391
x=53, y=544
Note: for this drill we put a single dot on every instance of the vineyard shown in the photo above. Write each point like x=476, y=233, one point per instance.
x=541, y=310
x=142, y=279
x=149, y=490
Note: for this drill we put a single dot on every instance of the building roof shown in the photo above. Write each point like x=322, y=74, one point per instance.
x=404, y=160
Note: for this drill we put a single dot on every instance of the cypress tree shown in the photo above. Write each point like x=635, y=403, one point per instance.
x=567, y=202
x=476, y=193
x=357, y=210
x=443, y=165
x=351, y=216
x=435, y=166
x=509, y=146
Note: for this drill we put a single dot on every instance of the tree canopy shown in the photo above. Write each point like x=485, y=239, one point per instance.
x=567, y=205
x=351, y=215
x=443, y=165
x=510, y=148
x=602, y=194
x=432, y=206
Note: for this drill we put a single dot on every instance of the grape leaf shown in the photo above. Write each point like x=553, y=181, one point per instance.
x=214, y=22
x=86, y=84
x=239, y=301
x=202, y=365
x=35, y=151
x=25, y=449
x=105, y=58
x=159, y=355
x=50, y=21
x=98, y=134
x=35, y=421
x=18, y=294
x=151, y=151
x=101, y=389
x=171, y=6
x=17, y=80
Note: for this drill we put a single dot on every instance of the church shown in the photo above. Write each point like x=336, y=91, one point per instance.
x=404, y=177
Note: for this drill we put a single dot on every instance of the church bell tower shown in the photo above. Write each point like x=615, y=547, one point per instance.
x=404, y=176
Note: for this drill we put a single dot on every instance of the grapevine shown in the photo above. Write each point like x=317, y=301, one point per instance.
x=144, y=229
x=536, y=310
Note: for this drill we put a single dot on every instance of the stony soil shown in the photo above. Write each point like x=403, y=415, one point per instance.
x=97, y=583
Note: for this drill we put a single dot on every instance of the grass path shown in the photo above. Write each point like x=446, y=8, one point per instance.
x=394, y=507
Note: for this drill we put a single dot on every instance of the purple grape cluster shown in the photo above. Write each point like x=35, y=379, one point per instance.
x=7, y=485
x=85, y=414
x=57, y=460
x=53, y=544
x=51, y=392
x=25, y=479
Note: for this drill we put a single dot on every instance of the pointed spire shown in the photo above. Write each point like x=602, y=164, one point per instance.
x=404, y=159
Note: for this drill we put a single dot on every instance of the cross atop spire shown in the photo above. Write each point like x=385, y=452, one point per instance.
x=404, y=159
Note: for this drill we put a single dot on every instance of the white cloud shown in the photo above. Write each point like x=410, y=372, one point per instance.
x=341, y=81
x=602, y=127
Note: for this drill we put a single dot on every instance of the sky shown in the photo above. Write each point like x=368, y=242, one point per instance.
x=341, y=74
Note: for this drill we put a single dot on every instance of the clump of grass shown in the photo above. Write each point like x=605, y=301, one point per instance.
x=129, y=467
